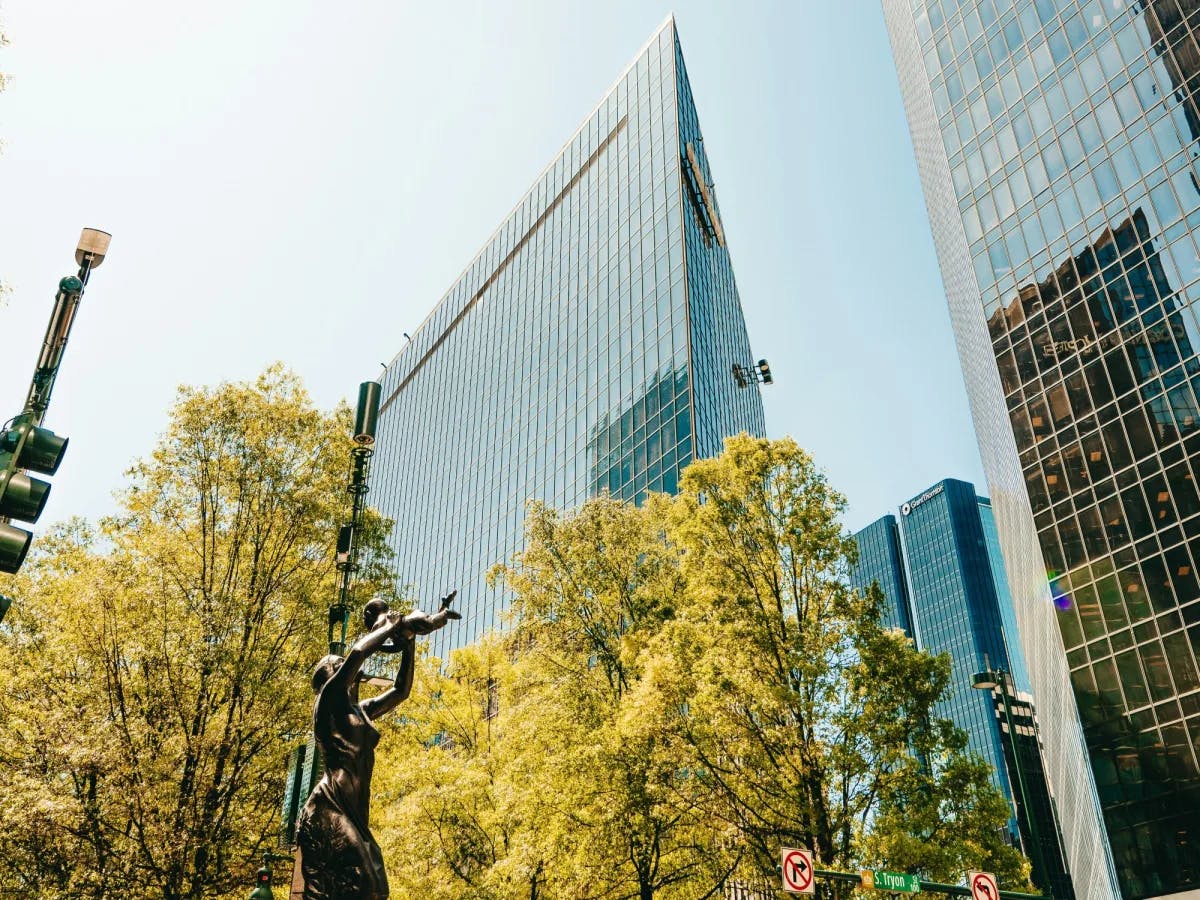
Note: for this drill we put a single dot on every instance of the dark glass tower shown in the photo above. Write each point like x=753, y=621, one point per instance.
x=942, y=577
x=590, y=346
x=881, y=560
x=1057, y=144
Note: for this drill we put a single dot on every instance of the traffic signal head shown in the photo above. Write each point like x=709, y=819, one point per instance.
x=37, y=449
x=22, y=497
x=24, y=446
x=14, y=544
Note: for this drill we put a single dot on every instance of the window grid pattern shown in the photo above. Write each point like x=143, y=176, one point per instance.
x=718, y=329
x=1069, y=129
x=880, y=561
x=955, y=609
x=558, y=364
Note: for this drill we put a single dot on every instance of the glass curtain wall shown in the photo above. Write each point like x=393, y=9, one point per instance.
x=1057, y=143
x=576, y=354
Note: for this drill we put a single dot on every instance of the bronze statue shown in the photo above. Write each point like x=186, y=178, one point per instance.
x=339, y=858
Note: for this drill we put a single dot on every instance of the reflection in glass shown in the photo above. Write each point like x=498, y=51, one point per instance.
x=1065, y=140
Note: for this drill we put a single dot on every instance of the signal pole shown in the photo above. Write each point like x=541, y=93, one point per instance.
x=25, y=446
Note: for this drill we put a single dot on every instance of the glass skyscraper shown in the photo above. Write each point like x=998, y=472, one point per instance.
x=941, y=574
x=1057, y=146
x=590, y=346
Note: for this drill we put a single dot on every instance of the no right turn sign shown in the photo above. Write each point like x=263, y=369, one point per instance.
x=798, y=872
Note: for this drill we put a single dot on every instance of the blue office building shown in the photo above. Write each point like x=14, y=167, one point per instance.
x=596, y=343
x=942, y=576
x=881, y=559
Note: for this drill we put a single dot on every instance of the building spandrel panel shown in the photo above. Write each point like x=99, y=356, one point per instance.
x=1058, y=149
x=563, y=361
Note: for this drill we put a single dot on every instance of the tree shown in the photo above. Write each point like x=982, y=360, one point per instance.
x=163, y=659
x=809, y=724
x=592, y=590
x=458, y=813
x=684, y=688
x=526, y=769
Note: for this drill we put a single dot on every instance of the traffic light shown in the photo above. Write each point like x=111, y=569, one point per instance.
x=262, y=881
x=24, y=446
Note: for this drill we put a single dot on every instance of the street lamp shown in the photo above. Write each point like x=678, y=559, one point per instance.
x=998, y=679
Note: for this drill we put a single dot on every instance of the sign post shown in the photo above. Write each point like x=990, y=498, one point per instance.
x=798, y=871
x=983, y=886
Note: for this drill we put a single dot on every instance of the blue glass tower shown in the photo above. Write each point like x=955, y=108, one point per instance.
x=941, y=573
x=590, y=346
x=881, y=560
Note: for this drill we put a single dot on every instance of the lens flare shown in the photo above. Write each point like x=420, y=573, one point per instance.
x=1062, y=599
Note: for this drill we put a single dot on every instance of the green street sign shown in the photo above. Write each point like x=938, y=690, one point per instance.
x=892, y=882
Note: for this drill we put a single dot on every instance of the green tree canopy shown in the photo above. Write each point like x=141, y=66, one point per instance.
x=684, y=688
x=157, y=666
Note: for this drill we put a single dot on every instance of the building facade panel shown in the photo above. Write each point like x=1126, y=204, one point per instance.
x=881, y=561
x=717, y=328
x=1059, y=147
x=560, y=364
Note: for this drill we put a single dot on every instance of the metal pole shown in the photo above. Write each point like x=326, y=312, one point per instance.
x=347, y=551
x=54, y=344
x=348, y=559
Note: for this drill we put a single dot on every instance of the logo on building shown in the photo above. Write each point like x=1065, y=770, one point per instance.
x=912, y=504
x=1085, y=346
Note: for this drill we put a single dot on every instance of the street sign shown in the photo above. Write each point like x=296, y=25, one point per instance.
x=798, y=871
x=983, y=886
x=893, y=882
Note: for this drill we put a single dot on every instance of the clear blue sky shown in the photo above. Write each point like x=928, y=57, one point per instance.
x=302, y=181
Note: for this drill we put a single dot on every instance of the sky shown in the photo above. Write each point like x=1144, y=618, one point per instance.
x=302, y=181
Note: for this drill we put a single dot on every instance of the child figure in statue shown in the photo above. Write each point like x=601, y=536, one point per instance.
x=339, y=858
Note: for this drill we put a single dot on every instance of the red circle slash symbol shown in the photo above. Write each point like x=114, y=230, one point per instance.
x=798, y=872
x=983, y=887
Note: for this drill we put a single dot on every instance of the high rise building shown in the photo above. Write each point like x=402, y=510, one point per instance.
x=1057, y=146
x=943, y=582
x=595, y=343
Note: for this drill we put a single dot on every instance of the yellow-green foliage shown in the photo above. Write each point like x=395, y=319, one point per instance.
x=156, y=667
x=683, y=688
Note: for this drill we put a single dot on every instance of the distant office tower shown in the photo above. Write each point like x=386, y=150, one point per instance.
x=1057, y=146
x=942, y=577
x=595, y=343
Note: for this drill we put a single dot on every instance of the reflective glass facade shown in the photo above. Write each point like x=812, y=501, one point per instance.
x=588, y=347
x=1057, y=142
x=881, y=560
x=941, y=572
